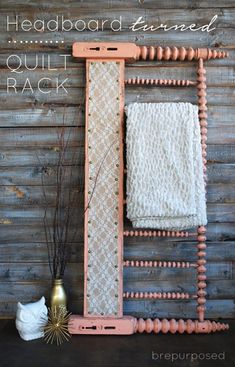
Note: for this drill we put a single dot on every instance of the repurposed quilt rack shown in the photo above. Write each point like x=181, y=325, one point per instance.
x=104, y=198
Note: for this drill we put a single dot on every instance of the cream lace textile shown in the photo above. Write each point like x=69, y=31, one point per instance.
x=165, y=184
x=103, y=183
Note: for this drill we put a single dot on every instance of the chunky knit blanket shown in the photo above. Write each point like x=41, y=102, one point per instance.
x=165, y=183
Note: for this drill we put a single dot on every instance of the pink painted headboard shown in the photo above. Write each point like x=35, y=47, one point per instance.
x=104, y=200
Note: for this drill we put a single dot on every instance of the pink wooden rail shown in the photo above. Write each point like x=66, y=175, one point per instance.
x=150, y=233
x=178, y=53
x=181, y=326
x=158, y=295
x=159, y=264
x=131, y=52
x=168, y=82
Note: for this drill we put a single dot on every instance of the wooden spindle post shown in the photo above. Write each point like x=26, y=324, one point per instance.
x=201, y=247
x=178, y=53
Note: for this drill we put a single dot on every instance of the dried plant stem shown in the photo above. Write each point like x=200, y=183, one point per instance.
x=62, y=231
x=57, y=235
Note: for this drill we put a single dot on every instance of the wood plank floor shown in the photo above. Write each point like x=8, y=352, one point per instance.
x=114, y=351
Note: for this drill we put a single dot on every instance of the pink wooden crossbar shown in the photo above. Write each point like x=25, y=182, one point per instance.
x=159, y=233
x=120, y=324
x=158, y=295
x=131, y=52
x=159, y=264
x=168, y=82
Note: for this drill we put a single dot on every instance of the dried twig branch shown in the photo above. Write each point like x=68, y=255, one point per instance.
x=56, y=235
x=59, y=235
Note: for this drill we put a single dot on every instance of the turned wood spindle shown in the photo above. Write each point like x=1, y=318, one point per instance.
x=159, y=264
x=168, y=82
x=202, y=104
x=178, y=53
x=157, y=295
x=149, y=233
x=181, y=326
x=201, y=269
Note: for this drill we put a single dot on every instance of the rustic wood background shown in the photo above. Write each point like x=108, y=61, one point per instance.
x=28, y=140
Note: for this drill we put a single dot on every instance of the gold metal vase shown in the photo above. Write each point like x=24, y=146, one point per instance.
x=58, y=295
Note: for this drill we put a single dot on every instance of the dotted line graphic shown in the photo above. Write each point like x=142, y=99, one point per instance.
x=36, y=42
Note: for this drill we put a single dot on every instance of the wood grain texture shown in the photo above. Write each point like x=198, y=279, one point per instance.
x=47, y=137
x=170, y=17
x=27, y=175
x=75, y=96
x=116, y=4
x=53, y=116
x=215, y=308
x=35, y=233
x=31, y=252
x=224, y=76
x=30, y=206
x=224, y=37
x=13, y=156
x=39, y=272
x=29, y=125
x=217, y=289
x=57, y=59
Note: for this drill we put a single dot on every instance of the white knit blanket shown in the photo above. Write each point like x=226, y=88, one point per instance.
x=165, y=184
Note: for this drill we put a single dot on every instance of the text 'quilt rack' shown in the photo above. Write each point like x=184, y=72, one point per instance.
x=104, y=199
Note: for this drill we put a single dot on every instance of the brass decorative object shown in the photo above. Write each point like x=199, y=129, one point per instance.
x=56, y=330
x=58, y=295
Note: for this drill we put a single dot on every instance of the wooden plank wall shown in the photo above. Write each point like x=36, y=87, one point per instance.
x=28, y=139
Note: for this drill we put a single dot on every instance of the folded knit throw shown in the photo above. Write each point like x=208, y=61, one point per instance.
x=165, y=184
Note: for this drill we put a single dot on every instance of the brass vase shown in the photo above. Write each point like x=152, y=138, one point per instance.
x=58, y=295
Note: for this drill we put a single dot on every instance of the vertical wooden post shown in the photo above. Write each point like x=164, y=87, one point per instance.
x=201, y=247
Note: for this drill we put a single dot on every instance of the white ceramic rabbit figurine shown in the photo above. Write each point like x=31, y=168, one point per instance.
x=31, y=318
